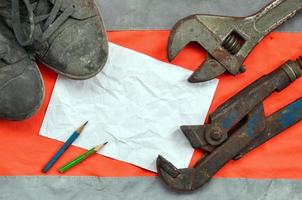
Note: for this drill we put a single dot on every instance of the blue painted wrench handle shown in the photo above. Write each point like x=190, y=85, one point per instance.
x=286, y=117
x=275, y=124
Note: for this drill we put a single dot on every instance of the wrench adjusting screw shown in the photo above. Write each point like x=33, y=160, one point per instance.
x=233, y=43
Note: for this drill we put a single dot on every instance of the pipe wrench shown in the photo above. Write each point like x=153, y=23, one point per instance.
x=235, y=128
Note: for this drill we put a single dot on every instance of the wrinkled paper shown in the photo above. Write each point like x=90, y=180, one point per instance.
x=136, y=103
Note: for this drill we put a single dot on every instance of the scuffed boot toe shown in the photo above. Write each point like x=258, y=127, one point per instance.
x=21, y=95
x=80, y=51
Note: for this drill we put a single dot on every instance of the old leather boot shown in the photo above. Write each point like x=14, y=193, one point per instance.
x=21, y=86
x=68, y=36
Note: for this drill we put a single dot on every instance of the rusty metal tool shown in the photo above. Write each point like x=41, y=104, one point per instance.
x=228, y=40
x=236, y=127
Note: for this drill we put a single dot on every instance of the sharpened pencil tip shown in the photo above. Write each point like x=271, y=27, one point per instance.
x=79, y=130
x=99, y=147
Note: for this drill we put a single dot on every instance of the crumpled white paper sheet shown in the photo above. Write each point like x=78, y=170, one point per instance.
x=136, y=103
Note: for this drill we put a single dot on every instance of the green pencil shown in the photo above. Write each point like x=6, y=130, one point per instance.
x=81, y=158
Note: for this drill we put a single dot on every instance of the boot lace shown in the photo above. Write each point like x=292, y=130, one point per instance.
x=48, y=23
x=3, y=52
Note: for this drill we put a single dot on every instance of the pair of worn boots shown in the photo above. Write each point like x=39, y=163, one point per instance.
x=67, y=36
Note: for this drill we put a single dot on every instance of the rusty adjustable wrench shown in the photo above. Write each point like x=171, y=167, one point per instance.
x=235, y=128
x=228, y=40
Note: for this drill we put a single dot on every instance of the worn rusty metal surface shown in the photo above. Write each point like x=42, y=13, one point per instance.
x=236, y=127
x=228, y=40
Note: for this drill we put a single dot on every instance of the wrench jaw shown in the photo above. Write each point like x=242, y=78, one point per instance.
x=183, y=32
x=196, y=136
x=186, y=179
x=204, y=30
x=177, y=179
x=208, y=70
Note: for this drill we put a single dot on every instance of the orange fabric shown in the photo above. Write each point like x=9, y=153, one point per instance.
x=24, y=152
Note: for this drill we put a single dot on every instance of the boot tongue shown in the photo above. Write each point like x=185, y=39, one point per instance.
x=42, y=7
x=5, y=10
x=83, y=8
x=10, y=51
x=5, y=4
x=22, y=21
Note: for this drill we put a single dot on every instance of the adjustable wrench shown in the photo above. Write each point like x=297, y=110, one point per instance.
x=236, y=127
x=228, y=40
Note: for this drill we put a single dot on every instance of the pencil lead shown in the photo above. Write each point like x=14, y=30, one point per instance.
x=79, y=130
x=99, y=147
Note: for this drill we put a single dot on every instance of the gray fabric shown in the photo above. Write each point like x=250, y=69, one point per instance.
x=163, y=14
x=92, y=188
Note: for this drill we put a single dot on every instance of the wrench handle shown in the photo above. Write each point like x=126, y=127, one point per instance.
x=233, y=110
x=276, y=124
x=275, y=14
